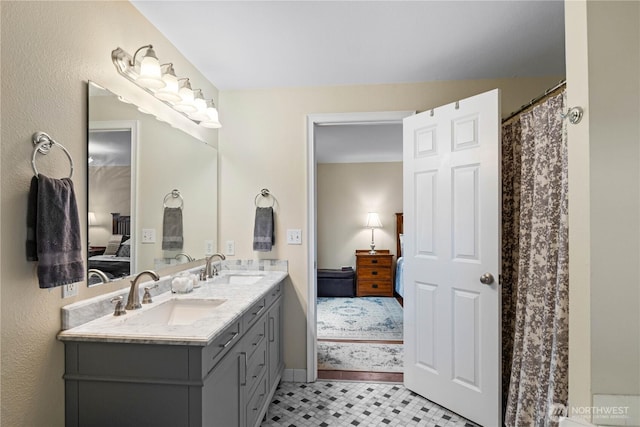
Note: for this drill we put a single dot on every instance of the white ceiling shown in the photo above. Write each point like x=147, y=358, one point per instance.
x=266, y=44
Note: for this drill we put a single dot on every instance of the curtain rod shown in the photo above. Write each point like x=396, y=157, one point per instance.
x=535, y=100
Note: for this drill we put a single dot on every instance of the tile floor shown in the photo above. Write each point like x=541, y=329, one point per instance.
x=332, y=403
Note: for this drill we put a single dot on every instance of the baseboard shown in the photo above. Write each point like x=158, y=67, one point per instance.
x=294, y=376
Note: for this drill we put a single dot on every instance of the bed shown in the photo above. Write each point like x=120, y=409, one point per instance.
x=115, y=262
x=399, y=284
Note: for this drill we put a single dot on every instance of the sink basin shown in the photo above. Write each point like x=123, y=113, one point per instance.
x=177, y=312
x=239, y=279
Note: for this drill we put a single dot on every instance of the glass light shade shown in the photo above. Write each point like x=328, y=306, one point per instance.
x=150, y=72
x=212, y=120
x=186, y=104
x=373, y=220
x=169, y=93
x=201, y=107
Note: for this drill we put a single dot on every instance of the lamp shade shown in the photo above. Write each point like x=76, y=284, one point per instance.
x=373, y=220
x=92, y=218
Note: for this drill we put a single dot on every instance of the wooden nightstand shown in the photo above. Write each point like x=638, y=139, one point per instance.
x=374, y=273
x=96, y=250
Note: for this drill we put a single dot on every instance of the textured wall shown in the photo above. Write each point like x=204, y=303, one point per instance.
x=49, y=51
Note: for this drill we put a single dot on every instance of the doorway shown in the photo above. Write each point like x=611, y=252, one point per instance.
x=315, y=122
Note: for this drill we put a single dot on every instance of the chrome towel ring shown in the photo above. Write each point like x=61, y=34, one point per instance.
x=43, y=144
x=265, y=193
x=175, y=194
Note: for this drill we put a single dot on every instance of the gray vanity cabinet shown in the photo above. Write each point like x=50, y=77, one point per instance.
x=275, y=344
x=227, y=383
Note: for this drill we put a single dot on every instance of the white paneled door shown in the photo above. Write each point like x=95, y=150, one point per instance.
x=452, y=256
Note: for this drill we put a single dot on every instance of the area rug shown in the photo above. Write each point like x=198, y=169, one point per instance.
x=368, y=357
x=370, y=318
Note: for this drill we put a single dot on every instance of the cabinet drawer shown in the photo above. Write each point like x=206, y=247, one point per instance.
x=256, y=402
x=254, y=313
x=374, y=273
x=372, y=260
x=374, y=287
x=214, y=351
x=274, y=294
x=255, y=337
x=256, y=365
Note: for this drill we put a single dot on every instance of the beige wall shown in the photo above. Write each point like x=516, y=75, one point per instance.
x=114, y=183
x=263, y=143
x=614, y=145
x=603, y=65
x=346, y=192
x=49, y=51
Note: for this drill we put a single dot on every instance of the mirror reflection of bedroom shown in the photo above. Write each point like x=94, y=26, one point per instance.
x=110, y=171
x=359, y=227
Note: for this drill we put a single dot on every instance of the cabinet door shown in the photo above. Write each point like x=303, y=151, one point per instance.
x=221, y=396
x=275, y=343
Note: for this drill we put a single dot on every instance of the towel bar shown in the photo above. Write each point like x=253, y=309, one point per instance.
x=265, y=193
x=175, y=194
x=43, y=144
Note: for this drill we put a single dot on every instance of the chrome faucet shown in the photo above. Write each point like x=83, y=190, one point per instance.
x=209, y=269
x=133, y=302
x=187, y=256
x=99, y=273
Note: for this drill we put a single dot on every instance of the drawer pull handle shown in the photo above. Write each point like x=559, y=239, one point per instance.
x=272, y=335
x=233, y=337
x=374, y=273
x=259, y=339
x=243, y=369
x=374, y=261
x=259, y=369
x=259, y=311
x=374, y=286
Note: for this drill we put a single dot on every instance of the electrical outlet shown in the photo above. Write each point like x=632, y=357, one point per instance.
x=148, y=235
x=230, y=248
x=294, y=237
x=70, y=290
x=208, y=247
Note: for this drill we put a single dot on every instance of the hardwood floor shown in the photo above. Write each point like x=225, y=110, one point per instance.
x=389, y=377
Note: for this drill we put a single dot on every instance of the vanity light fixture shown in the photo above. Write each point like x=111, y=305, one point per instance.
x=161, y=82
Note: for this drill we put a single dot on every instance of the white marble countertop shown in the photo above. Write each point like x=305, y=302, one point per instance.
x=130, y=329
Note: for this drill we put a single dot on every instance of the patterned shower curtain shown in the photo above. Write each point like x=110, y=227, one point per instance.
x=535, y=288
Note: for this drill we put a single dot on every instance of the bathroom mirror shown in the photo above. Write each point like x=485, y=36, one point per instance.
x=135, y=162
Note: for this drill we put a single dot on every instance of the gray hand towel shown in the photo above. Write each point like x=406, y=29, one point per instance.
x=263, y=231
x=59, y=246
x=172, y=238
x=32, y=220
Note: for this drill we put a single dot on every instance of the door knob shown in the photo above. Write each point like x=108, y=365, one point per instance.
x=486, y=279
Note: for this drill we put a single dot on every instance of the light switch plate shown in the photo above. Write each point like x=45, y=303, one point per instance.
x=230, y=247
x=294, y=236
x=208, y=247
x=148, y=235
